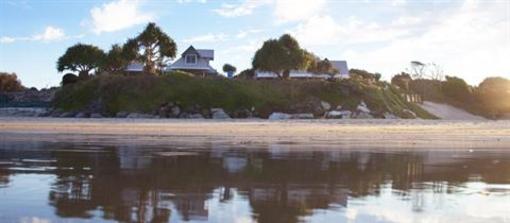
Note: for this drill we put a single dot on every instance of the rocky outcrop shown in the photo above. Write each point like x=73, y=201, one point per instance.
x=285, y=116
x=23, y=112
x=219, y=113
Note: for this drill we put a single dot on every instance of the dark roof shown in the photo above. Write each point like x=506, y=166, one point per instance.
x=204, y=53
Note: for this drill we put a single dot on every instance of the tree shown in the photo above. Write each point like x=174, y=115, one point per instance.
x=229, y=68
x=456, y=88
x=402, y=80
x=152, y=47
x=417, y=69
x=9, y=82
x=115, y=60
x=494, y=93
x=279, y=56
x=325, y=67
x=69, y=78
x=81, y=58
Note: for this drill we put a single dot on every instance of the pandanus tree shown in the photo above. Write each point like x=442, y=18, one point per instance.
x=152, y=47
x=81, y=58
x=115, y=60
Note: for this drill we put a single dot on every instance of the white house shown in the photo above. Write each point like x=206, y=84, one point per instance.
x=340, y=65
x=195, y=61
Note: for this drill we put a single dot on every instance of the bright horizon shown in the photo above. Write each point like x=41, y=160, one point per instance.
x=468, y=38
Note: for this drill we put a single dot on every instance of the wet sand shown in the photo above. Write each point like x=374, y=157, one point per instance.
x=346, y=134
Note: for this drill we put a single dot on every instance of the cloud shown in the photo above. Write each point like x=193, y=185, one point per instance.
x=472, y=41
x=49, y=34
x=244, y=33
x=118, y=15
x=190, y=1
x=243, y=9
x=324, y=30
x=298, y=10
x=207, y=38
x=6, y=39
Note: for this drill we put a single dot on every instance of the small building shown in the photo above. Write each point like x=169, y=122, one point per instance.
x=339, y=65
x=195, y=61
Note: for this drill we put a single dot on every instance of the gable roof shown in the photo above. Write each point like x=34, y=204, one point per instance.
x=341, y=66
x=203, y=53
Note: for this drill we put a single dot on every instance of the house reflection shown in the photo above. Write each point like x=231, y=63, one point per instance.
x=134, y=184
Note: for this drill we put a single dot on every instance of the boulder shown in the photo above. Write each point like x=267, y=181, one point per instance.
x=219, y=113
x=196, y=116
x=81, y=115
x=325, y=106
x=362, y=107
x=121, y=114
x=363, y=115
x=279, y=116
x=408, y=113
x=139, y=115
x=302, y=116
x=67, y=115
x=175, y=111
x=96, y=115
x=388, y=115
x=334, y=114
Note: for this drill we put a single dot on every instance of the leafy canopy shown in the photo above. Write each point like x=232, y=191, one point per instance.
x=152, y=47
x=279, y=56
x=10, y=82
x=115, y=60
x=81, y=58
x=229, y=68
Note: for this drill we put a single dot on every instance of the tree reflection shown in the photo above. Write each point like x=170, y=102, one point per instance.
x=133, y=184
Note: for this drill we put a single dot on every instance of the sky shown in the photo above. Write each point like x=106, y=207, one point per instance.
x=465, y=38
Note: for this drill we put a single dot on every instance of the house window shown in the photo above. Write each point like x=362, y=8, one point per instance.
x=191, y=59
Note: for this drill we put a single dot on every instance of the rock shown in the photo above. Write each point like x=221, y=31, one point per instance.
x=302, y=116
x=22, y=112
x=81, y=115
x=242, y=113
x=67, y=115
x=408, y=113
x=362, y=107
x=339, y=107
x=139, y=115
x=121, y=114
x=363, y=115
x=279, y=116
x=96, y=115
x=325, y=105
x=219, y=113
x=310, y=105
x=388, y=115
x=196, y=116
x=175, y=111
x=334, y=114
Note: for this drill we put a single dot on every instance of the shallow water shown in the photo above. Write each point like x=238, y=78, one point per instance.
x=80, y=182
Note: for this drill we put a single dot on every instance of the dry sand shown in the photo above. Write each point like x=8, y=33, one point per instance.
x=350, y=134
x=448, y=112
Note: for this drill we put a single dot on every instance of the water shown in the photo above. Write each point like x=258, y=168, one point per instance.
x=73, y=182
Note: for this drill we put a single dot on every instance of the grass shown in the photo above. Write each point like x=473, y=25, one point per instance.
x=144, y=93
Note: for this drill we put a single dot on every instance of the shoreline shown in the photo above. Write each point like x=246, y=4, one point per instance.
x=350, y=134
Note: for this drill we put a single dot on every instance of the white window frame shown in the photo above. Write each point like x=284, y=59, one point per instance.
x=191, y=55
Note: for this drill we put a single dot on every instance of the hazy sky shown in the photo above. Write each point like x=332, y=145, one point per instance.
x=470, y=39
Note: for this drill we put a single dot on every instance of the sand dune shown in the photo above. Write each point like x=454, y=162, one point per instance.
x=448, y=112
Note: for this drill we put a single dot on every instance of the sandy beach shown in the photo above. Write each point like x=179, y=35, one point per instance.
x=350, y=134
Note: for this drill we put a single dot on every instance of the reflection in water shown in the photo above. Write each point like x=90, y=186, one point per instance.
x=273, y=184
